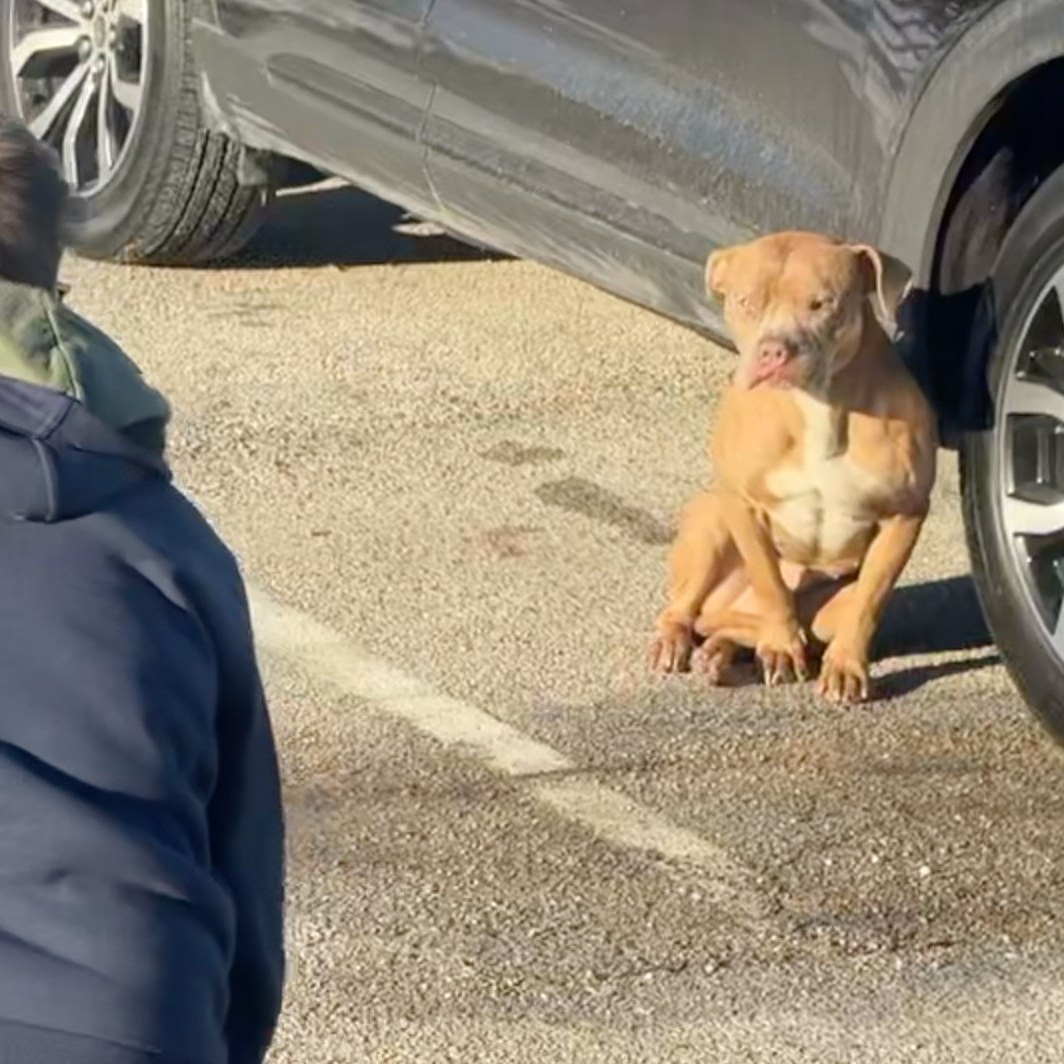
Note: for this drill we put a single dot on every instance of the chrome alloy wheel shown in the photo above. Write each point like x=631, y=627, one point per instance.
x=1030, y=458
x=79, y=69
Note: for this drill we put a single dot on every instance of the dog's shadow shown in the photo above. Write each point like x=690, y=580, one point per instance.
x=938, y=617
x=941, y=617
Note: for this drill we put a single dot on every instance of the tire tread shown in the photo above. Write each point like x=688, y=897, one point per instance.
x=1036, y=237
x=199, y=212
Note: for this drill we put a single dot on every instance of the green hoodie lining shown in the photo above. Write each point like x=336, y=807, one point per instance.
x=44, y=342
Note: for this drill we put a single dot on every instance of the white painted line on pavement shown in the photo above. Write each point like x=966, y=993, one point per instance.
x=328, y=655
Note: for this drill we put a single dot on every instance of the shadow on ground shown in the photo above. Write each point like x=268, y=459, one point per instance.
x=938, y=617
x=346, y=227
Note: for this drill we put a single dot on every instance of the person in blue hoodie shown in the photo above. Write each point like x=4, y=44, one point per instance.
x=141, y=832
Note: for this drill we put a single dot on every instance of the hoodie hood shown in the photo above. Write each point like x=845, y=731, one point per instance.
x=79, y=425
x=44, y=342
x=58, y=461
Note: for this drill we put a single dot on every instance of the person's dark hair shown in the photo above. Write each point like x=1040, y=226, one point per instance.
x=33, y=199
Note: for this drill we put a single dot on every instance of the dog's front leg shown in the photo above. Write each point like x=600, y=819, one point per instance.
x=848, y=624
x=701, y=560
x=780, y=644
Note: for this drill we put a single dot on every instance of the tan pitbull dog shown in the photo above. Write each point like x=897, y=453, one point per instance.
x=824, y=454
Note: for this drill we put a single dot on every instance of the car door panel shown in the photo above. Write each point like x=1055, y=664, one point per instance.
x=639, y=120
x=339, y=79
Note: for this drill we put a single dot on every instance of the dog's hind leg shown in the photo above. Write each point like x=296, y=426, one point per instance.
x=703, y=565
x=732, y=618
x=726, y=633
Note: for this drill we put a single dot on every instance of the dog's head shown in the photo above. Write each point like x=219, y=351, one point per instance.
x=797, y=304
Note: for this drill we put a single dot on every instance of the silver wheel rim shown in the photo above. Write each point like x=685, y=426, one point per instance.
x=1030, y=459
x=79, y=69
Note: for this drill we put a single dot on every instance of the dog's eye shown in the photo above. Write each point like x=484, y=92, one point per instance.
x=819, y=302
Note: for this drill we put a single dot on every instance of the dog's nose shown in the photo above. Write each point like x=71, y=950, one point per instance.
x=773, y=353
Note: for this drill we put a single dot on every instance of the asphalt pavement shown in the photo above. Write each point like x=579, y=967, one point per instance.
x=451, y=479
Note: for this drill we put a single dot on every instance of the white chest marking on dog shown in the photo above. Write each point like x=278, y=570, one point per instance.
x=826, y=500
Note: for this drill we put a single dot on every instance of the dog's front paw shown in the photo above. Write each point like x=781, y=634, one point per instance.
x=781, y=651
x=844, y=675
x=671, y=649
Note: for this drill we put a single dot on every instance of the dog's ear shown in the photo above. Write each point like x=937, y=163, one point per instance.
x=717, y=272
x=886, y=279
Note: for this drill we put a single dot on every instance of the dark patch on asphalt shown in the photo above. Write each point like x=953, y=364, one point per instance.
x=515, y=454
x=583, y=497
x=508, y=541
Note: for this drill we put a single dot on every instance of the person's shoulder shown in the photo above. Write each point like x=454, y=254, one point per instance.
x=167, y=522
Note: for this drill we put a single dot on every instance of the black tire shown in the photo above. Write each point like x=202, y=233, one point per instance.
x=174, y=198
x=1013, y=601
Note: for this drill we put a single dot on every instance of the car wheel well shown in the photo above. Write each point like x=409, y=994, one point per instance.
x=1011, y=154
